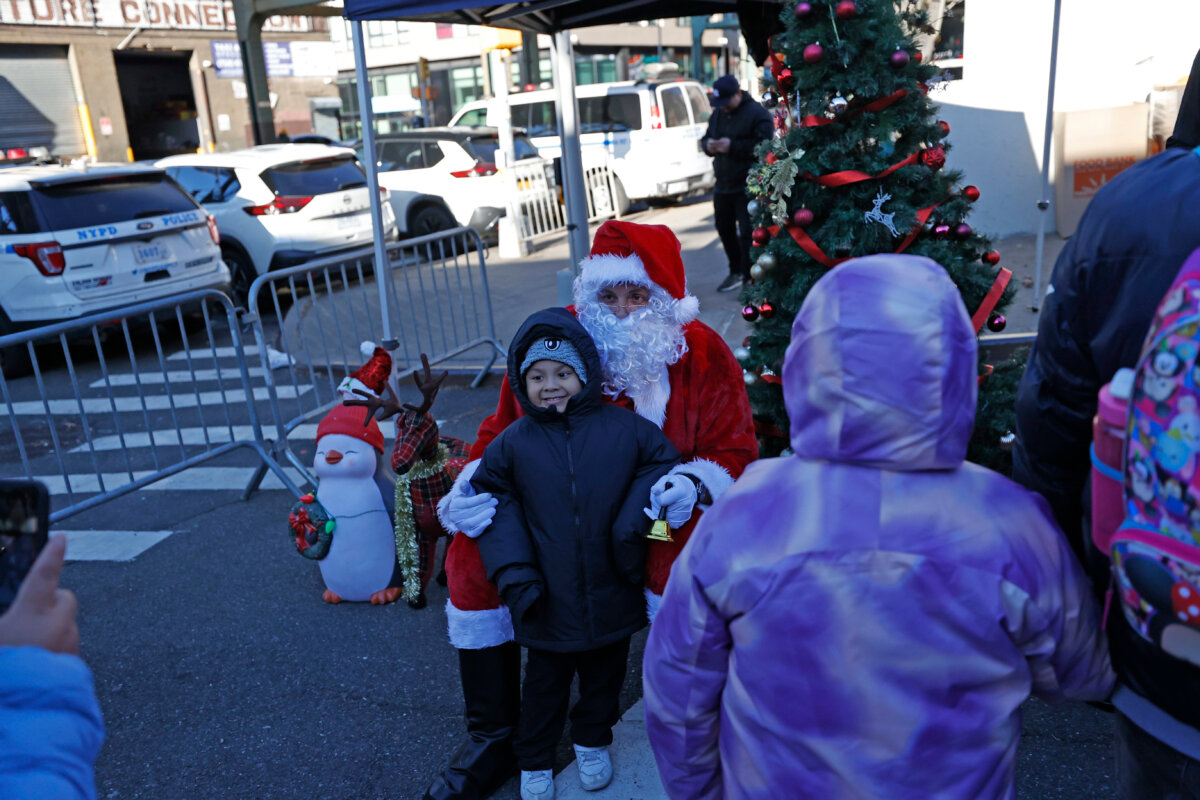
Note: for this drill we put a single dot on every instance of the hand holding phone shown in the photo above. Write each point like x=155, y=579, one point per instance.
x=43, y=615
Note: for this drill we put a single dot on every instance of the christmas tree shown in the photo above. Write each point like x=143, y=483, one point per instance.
x=856, y=167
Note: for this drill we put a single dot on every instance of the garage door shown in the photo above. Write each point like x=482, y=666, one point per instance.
x=37, y=100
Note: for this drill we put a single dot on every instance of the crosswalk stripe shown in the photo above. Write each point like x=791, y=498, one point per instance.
x=194, y=479
x=174, y=377
x=110, y=545
x=191, y=436
x=100, y=405
x=205, y=352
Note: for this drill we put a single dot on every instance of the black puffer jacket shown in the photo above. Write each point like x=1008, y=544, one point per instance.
x=745, y=127
x=1133, y=238
x=567, y=546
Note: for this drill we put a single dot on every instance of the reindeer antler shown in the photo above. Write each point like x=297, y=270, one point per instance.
x=427, y=385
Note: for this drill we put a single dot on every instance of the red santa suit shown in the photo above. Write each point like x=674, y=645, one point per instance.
x=701, y=406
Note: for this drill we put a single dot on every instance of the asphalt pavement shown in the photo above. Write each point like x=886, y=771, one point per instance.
x=222, y=674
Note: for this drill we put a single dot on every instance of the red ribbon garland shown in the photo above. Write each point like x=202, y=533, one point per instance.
x=991, y=299
x=849, y=176
x=813, y=121
x=813, y=249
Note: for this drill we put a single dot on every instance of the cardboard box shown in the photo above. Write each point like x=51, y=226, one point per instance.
x=1091, y=148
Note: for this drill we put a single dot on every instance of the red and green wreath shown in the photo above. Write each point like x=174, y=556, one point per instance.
x=311, y=528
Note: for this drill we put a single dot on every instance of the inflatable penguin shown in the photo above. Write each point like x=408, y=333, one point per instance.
x=357, y=491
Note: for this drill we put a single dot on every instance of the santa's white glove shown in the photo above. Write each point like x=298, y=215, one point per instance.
x=464, y=510
x=675, y=493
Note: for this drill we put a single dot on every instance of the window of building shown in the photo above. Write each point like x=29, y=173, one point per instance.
x=675, y=110
x=339, y=34
x=478, y=116
x=445, y=31
x=381, y=33
x=466, y=84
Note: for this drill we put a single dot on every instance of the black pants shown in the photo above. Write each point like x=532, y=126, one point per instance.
x=1147, y=769
x=547, y=692
x=733, y=226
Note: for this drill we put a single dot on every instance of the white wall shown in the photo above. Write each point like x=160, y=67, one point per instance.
x=1111, y=53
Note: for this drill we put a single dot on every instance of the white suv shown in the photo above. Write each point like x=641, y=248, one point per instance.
x=74, y=241
x=279, y=205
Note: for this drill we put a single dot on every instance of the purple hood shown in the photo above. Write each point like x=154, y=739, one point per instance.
x=881, y=370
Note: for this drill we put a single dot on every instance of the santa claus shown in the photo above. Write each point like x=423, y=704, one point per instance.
x=659, y=361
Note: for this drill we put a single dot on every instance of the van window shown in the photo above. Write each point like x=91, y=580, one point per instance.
x=675, y=110
x=612, y=112
x=538, y=119
x=701, y=110
x=473, y=118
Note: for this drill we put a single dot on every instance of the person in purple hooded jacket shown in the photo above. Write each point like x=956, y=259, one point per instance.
x=878, y=633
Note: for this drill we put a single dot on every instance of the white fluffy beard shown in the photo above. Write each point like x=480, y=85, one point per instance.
x=635, y=353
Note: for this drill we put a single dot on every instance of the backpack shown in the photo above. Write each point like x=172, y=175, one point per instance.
x=1155, y=552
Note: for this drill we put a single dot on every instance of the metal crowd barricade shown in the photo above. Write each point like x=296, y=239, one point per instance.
x=540, y=211
x=134, y=418
x=315, y=316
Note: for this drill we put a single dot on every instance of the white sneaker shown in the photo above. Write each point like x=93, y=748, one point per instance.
x=537, y=784
x=595, y=767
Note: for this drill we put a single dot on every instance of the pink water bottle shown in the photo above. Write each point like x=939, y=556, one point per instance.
x=1108, y=445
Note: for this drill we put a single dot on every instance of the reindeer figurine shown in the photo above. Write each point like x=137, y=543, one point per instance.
x=876, y=214
x=426, y=465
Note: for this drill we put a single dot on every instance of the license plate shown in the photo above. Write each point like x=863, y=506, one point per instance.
x=677, y=186
x=150, y=253
x=353, y=221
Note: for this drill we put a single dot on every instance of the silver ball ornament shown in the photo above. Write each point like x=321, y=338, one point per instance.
x=767, y=262
x=756, y=272
x=752, y=207
x=741, y=353
x=838, y=105
x=750, y=378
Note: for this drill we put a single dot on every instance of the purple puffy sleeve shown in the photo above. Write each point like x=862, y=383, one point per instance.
x=684, y=671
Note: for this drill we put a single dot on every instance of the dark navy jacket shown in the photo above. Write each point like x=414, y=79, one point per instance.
x=567, y=546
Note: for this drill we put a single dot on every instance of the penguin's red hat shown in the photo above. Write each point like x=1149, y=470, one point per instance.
x=374, y=374
x=348, y=420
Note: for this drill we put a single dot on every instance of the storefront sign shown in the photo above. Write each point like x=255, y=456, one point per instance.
x=206, y=15
x=283, y=59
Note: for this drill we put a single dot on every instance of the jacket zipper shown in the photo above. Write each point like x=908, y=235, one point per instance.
x=587, y=604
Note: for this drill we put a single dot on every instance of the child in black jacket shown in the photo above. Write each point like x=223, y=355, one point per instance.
x=567, y=546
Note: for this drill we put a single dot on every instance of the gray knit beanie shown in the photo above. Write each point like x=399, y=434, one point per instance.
x=554, y=348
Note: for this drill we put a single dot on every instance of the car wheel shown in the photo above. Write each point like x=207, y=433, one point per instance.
x=431, y=219
x=241, y=273
x=620, y=199
x=14, y=361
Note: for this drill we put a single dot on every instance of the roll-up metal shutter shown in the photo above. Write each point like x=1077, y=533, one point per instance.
x=37, y=100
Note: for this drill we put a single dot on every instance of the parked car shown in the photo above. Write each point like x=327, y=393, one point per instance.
x=649, y=131
x=279, y=205
x=74, y=241
x=457, y=165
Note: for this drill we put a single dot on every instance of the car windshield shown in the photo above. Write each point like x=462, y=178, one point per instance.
x=84, y=204
x=484, y=148
x=309, y=178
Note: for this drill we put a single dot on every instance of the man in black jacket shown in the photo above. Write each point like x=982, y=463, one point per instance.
x=1133, y=238
x=734, y=130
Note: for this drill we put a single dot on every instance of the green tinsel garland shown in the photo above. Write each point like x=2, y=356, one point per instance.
x=408, y=553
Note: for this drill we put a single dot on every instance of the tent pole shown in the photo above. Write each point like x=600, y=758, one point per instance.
x=382, y=263
x=572, y=159
x=1044, y=202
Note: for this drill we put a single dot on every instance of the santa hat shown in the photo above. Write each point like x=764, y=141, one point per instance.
x=348, y=420
x=645, y=255
x=371, y=377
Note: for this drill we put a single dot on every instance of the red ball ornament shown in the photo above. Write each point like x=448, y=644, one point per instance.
x=803, y=10
x=933, y=157
x=992, y=258
x=760, y=237
x=941, y=231
x=971, y=193
x=944, y=126
x=750, y=313
x=767, y=310
x=786, y=80
x=770, y=159
x=802, y=218
x=813, y=53
x=996, y=323
x=918, y=57
x=962, y=231
x=898, y=59
x=846, y=9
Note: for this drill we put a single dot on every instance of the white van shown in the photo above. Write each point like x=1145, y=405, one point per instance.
x=650, y=131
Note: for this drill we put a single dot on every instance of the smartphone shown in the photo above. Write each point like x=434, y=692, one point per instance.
x=24, y=526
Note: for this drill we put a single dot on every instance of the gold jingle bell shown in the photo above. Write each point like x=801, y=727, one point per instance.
x=660, y=531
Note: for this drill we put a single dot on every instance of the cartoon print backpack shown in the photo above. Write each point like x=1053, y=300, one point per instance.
x=1155, y=553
